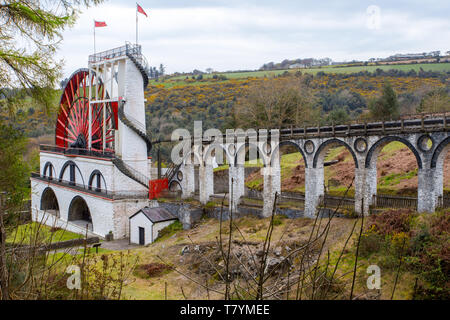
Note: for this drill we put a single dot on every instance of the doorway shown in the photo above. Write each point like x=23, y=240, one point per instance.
x=141, y=236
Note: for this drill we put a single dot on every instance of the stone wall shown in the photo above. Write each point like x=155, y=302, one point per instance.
x=186, y=213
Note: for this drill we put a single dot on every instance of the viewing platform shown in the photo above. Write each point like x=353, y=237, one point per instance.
x=133, y=50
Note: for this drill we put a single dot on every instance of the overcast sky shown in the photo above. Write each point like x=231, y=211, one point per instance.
x=244, y=34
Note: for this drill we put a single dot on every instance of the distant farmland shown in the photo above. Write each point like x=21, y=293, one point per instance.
x=439, y=67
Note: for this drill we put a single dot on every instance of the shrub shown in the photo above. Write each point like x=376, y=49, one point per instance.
x=370, y=242
x=399, y=244
x=420, y=240
x=391, y=221
x=278, y=219
x=153, y=269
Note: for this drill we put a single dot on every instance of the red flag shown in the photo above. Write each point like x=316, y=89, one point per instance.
x=100, y=24
x=139, y=9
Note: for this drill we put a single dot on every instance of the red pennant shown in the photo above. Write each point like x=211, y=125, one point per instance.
x=100, y=24
x=140, y=10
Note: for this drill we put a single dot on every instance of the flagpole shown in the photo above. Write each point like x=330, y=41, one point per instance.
x=136, y=24
x=94, y=37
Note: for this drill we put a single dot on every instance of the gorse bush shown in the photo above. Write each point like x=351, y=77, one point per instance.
x=422, y=242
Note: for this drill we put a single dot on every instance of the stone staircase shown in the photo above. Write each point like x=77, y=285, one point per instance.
x=126, y=121
x=130, y=172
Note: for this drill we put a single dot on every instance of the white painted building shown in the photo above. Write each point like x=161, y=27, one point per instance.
x=97, y=173
x=146, y=224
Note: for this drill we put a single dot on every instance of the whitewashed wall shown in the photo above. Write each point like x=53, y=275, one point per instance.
x=159, y=226
x=114, y=179
x=140, y=220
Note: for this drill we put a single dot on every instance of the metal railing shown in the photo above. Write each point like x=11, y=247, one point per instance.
x=138, y=124
x=372, y=128
x=418, y=124
x=136, y=175
x=77, y=151
x=115, y=195
x=133, y=49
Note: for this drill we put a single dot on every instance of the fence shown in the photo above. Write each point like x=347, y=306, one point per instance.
x=54, y=246
x=443, y=202
x=378, y=201
x=329, y=201
x=389, y=201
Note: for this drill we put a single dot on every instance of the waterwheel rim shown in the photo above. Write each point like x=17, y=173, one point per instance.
x=72, y=125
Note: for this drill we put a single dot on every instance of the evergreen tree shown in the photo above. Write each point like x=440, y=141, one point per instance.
x=29, y=63
x=385, y=107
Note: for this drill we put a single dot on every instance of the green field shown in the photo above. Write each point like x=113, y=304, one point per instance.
x=439, y=67
x=35, y=233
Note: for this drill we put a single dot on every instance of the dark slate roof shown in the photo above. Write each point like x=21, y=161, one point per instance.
x=156, y=214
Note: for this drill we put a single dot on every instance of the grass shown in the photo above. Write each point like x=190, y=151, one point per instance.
x=248, y=164
x=390, y=149
x=180, y=80
x=27, y=233
x=395, y=178
x=170, y=230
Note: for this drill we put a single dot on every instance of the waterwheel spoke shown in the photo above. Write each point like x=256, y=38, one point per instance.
x=65, y=139
x=73, y=117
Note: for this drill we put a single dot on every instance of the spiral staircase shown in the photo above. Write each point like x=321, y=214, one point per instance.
x=137, y=128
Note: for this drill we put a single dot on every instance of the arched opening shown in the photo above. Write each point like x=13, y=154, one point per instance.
x=71, y=173
x=175, y=186
x=79, y=212
x=394, y=163
x=250, y=159
x=293, y=170
x=441, y=163
x=337, y=163
x=97, y=182
x=217, y=157
x=445, y=200
x=49, y=171
x=49, y=202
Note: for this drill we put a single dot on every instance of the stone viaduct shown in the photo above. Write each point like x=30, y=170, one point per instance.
x=427, y=138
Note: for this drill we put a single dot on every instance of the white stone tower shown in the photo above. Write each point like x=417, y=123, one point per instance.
x=97, y=173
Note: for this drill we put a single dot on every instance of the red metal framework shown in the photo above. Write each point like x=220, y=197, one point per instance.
x=72, y=125
x=156, y=187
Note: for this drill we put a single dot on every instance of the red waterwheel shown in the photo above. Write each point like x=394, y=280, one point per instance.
x=72, y=126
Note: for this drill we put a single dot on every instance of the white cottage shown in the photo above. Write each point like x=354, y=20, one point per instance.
x=147, y=222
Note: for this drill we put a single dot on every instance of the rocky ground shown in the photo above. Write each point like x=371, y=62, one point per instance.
x=197, y=265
